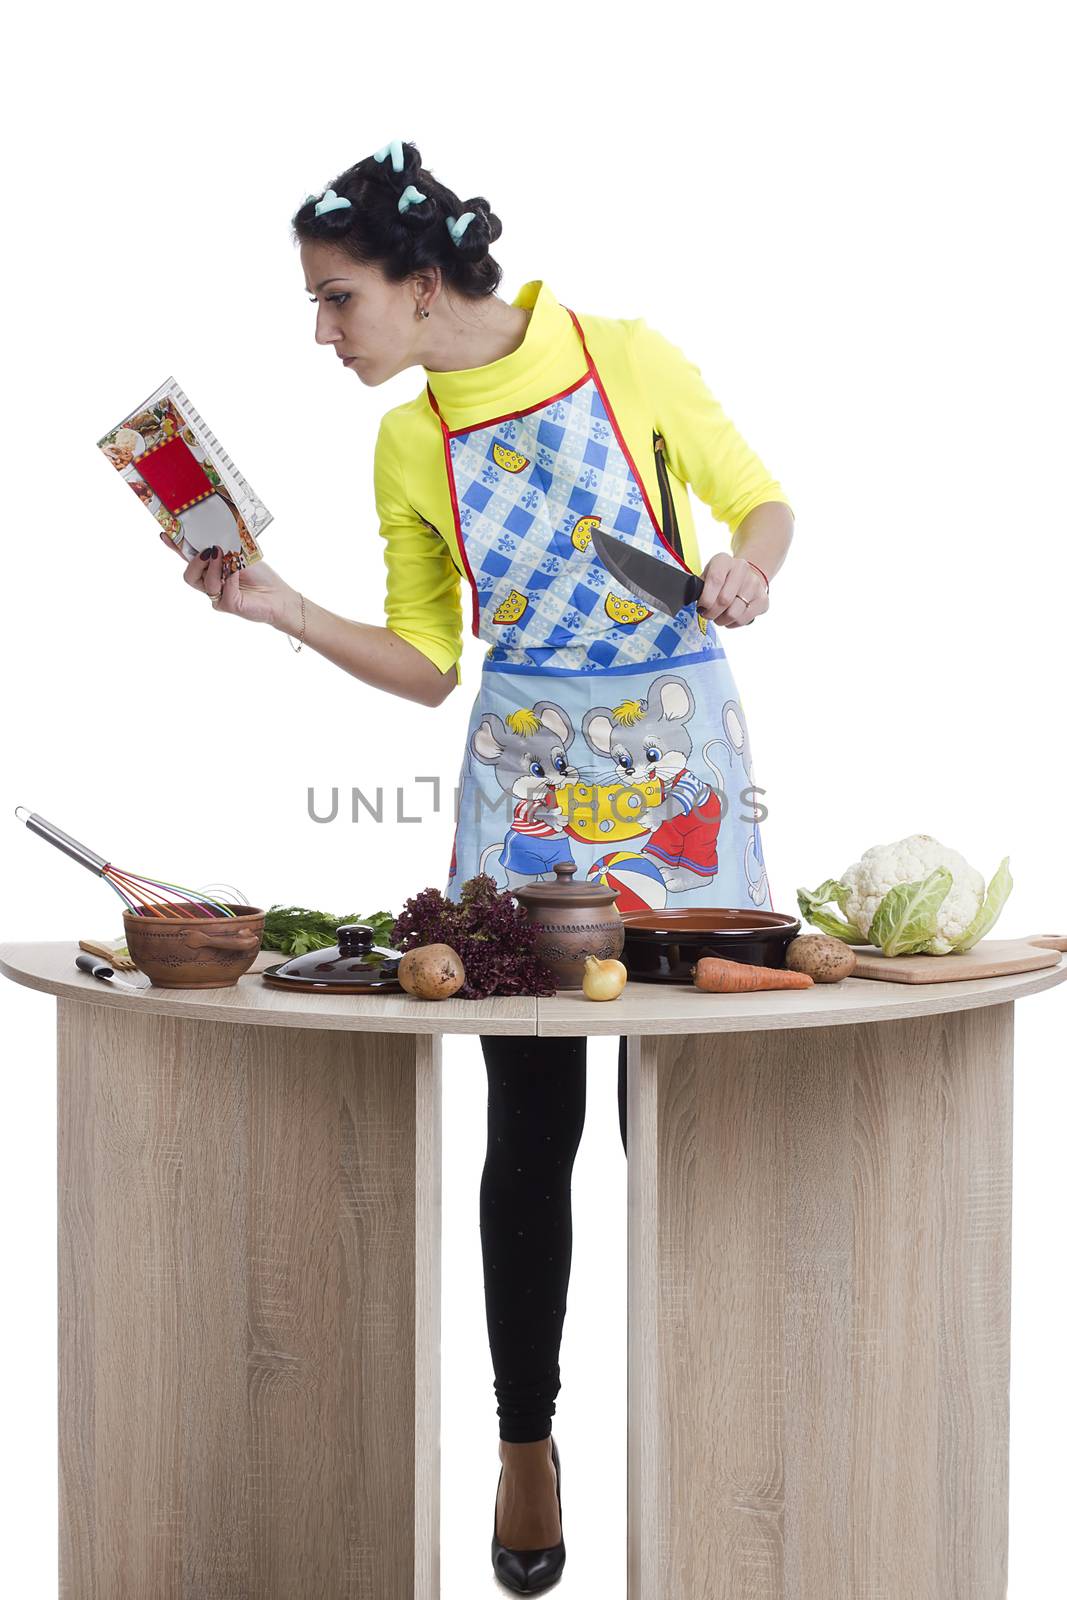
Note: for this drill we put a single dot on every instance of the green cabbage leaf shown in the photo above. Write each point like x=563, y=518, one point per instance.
x=811, y=910
x=1000, y=887
x=907, y=916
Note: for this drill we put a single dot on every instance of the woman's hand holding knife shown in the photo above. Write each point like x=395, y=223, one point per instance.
x=734, y=593
x=737, y=588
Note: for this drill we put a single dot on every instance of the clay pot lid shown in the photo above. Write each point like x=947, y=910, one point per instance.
x=561, y=892
x=354, y=959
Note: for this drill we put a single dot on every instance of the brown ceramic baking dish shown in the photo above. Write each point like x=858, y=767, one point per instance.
x=664, y=946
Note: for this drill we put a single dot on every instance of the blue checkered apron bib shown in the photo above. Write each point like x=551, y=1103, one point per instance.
x=604, y=732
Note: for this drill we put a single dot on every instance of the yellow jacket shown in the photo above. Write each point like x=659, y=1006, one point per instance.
x=653, y=390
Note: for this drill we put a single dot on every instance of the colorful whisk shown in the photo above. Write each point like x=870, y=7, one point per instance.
x=140, y=894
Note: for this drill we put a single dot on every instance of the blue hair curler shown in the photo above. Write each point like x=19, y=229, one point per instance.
x=331, y=202
x=394, y=148
x=458, y=229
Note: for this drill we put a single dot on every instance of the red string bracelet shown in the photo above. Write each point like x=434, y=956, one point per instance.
x=761, y=572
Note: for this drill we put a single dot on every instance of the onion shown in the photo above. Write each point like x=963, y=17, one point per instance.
x=603, y=980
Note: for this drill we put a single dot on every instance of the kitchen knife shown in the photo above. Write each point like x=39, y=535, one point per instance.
x=99, y=968
x=662, y=584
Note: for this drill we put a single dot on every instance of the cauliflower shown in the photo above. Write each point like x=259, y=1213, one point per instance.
x=912, y=897
x=910, y=860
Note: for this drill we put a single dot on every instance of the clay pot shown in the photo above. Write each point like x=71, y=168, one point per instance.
x=204, y=952
x=571, y=921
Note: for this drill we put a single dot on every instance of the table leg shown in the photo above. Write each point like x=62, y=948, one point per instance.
x=249, y=1310
x=819, y=1311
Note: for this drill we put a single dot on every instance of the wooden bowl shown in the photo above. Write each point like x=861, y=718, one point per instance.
x=202, y=952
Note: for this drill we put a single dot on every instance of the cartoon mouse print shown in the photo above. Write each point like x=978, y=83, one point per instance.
x=647, y=739
x=527, y=750
x=738, y=749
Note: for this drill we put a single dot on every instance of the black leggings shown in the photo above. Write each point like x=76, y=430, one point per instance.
x=536, y=1117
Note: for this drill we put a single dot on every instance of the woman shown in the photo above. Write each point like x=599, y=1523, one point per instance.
x=536, y=428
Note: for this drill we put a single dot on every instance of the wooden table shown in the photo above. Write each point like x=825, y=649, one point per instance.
x=249, y=1286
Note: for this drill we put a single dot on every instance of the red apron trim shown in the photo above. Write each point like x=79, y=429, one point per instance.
x=476, y=603
x=491, y=422
x=623, y=445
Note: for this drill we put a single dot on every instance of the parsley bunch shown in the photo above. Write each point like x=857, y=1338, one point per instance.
x=295, y=930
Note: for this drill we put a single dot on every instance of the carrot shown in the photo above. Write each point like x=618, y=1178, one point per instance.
x=714, y=975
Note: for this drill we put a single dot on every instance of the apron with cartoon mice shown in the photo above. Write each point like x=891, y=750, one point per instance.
x=604, y=732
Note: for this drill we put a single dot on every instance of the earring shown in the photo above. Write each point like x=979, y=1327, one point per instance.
x=421, y=311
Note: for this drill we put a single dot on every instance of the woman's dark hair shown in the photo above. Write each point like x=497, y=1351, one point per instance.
x=373, y=229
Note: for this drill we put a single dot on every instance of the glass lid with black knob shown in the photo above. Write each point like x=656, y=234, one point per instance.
x=354, y=963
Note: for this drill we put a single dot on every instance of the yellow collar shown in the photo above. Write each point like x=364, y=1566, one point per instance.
x=548, y=359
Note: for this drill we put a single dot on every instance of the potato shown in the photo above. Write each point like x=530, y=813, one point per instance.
x=823, y=957
x=431, y=972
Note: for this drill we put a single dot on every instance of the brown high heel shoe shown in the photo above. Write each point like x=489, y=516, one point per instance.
x=530, y=1571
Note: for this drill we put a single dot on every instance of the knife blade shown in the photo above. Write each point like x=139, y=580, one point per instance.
x=660, y=584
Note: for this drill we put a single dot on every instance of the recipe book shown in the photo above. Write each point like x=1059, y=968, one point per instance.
x=179, y=471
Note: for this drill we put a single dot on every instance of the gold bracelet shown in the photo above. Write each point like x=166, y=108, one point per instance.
x=303, y=625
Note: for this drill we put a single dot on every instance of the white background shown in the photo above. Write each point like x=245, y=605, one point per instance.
x=849, y=218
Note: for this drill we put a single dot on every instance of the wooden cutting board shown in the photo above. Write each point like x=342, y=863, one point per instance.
x=989, y=958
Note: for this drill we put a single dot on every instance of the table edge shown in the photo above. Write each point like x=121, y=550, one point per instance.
x=563, y=1014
